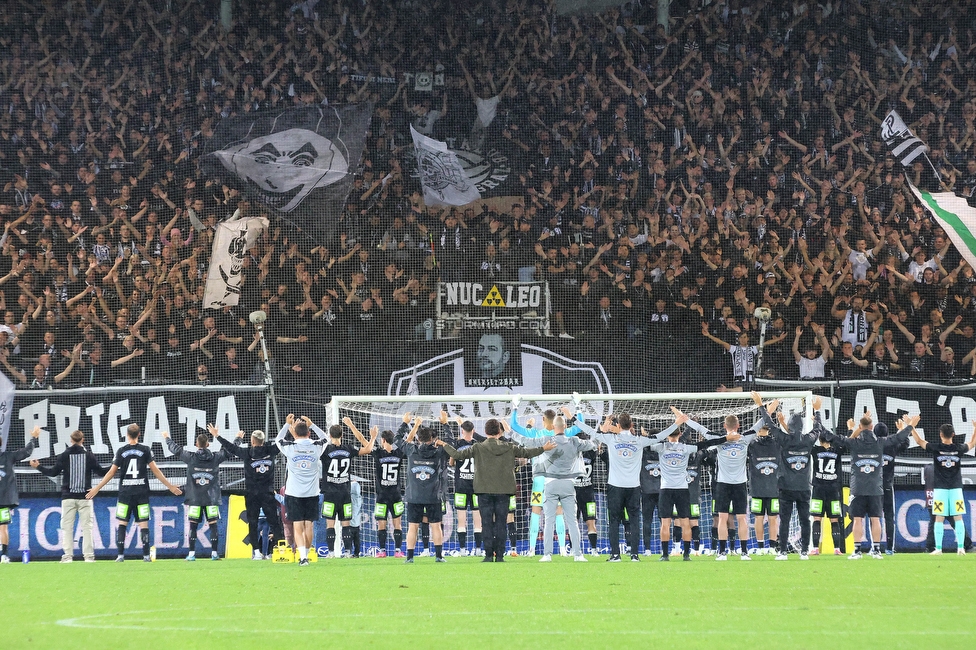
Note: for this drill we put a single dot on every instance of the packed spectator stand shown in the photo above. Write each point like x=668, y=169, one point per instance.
x=667, y=186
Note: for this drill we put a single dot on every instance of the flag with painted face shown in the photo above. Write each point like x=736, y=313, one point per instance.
x=297, y=162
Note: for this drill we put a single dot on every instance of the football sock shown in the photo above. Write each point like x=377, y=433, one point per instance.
x=676, y=533
x=3, y=549
x=512, y=536
x=721, y=545
x=561, y=531
x=533, y=531
x=714, y=537
x=381, y=539
x=144, y=535
x=356, y=546
x=330, y=538
x=593, y=540
x=817, y=528
x=685, y=548
x=960, y=527
x=302, y=553
x=425, y=536
x=193, y=537
x=214, y=538
x=732, y=535
x=665, y=547
x=939, y=535
x=838, y=538
x=744, y=545
x=347, y=539
x=478, y=539
x=120, y=539
x=696, y=537
x=462, y=539
x=875, y=547
x=409, y=553
x=438, y=550
x=398, y=539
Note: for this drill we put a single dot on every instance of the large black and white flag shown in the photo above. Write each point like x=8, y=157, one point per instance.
x=231, y=243
x=294, y=158
x=443, y=178
x=900, y=140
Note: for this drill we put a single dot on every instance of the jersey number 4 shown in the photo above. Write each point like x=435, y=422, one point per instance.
x=133, y=469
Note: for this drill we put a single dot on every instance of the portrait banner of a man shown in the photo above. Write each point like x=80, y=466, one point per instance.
x=492, y=359
x=297, y=162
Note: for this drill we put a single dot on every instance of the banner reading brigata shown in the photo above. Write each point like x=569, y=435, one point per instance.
x=103, y=415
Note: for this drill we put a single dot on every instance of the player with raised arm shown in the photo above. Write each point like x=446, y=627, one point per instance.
x=387, y=459
x=764, y=469
x=730, y=487
x=302, y=482
x=424, y=491
x=888, y=484
x=336, y=462
x=464, y=495
x=947, y=499
x=494, y=481
x=795, y=475
x=9, y=499
x=538, y=482
x=202, y=487
x=674, y=500
x=828, y=498
x=559, y=467
x=650, y=480
x=133, y=501
x=625, y=452
x=867, y=451
x=585, y=496
x=259, y=494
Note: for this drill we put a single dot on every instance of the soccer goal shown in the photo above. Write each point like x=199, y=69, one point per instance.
x=650, y=411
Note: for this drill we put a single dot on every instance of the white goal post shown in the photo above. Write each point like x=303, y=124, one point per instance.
x=647, y=409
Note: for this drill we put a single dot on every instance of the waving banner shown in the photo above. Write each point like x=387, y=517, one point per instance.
x=297, y=157
x=231, y=243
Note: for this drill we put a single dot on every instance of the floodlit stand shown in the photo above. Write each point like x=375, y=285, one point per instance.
x=258, y=318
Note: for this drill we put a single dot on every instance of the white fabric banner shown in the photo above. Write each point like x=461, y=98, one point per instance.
x=7, y=392
x=441, y=174
x=231, y=243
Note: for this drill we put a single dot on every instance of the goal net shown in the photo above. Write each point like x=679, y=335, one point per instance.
x=650, y=411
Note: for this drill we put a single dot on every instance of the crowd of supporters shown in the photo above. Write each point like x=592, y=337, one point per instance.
x=669, y=182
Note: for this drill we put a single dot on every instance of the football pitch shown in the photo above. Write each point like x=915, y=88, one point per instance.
x=908, y=601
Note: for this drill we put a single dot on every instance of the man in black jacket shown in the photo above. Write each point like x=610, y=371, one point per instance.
x=259, y=492
x=77, y=464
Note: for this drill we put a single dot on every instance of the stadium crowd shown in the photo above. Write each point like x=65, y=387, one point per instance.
x=668, y=183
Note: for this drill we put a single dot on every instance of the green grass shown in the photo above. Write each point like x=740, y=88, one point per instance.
x=909, y=601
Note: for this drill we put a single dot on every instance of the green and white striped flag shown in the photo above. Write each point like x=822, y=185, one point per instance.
x=956, y=216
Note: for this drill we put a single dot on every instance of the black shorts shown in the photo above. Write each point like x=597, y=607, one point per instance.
x=337, y=505
x=866, y=506
x=302, y=508
x=388, y=504
x=731, y=497
x=465, y=500
x=133, y=504
x=417, y=511
x=764, y=506
x=827, y=502
x=586, y=503
x=674, y=501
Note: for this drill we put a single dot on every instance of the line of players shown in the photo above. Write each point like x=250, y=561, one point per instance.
x=772, y=460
